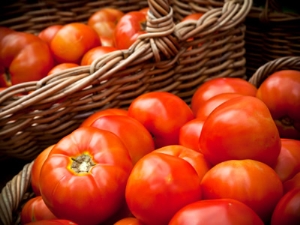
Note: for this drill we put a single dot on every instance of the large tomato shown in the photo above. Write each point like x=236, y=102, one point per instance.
x=72, y=41
x=23, y=57
x=134, y=135
x=129, y=27
x=216, y=211
x=161, y=183
x=163, y=114
x=281, y=93
x=84, y=177
x=287, y=211
x=288, y=161
x=251, y=182
x=240, y=128
x=220, y=85
x=104, y=22
x=49, y=32
x=95, y=53
x=35, y=209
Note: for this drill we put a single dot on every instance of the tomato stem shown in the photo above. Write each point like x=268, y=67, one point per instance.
x=82, y=164
x=286, y=121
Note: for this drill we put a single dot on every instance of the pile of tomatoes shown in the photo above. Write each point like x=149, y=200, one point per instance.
x=228, y=158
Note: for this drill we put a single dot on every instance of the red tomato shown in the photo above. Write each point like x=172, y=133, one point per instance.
x=189, y=134
x=95, y=53
x=36, y=170
x=52, y=222
x=49, y=32
x=292, y=183
x=163, y=114
x=288, y=161
x=245, y=130
x=160, y=184
x=23, y=57
x=287, y=211
x=220, y=85
x=129, y=27
x=72, y=41
x=134, y=135
x=212, y=103
x=104, y=22
x=216, y=211
x=84, y=177
x=251, y=182
x=62, y=66
x=129, y=221
x=281, y=93
x=35, y=209
x=144, y=10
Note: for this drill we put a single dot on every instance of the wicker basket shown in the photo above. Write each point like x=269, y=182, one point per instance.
x=271, y=33
x=173, y=56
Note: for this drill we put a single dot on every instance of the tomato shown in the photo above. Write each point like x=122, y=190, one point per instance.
x=129, y=27
x=129, y=221
x=245, y=130
x=134, y=135
x=36, y=170
x=104, y=22
x=288, y=161
x=165, y=182
x=52, y=222
x=212, y=103
x=95, y=53
x=35, y=209
x=49, y=32
x=72, y=41
x=84, y=177
x=23, y=57
x=216, y=211
x=292, y=183
x=220, y=85
x=288, y=208
x=190, y=132
x=144, y=10
x=193, y=16
x=281, y=93
x=62, y=66
x=163, y=114
x=251, y=182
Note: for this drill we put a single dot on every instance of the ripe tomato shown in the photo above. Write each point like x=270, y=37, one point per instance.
x=292, y=183
x=23, y=57
x=144, y=10
x=95, y=53
x=165, y=182
x=287, y=211
x=251, y=182
x=216, y=211
x=49, y=32
x=84, y=177
x=62, y=66
x=129, y=27
x=36, y=170
x=220, y=85
x=281, y=93
x=72, y=41
x=133, y=134
x=35, y=209
x=52, y=222
x=104, y=22
x=189, y=134
x=245, y=130
x=288, y=161
x=129, y=221
x=163, y=114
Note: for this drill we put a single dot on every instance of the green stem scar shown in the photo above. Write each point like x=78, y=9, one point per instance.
x=82, y=164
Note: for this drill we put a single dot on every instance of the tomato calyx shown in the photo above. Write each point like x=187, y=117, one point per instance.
x=286, y=121
x=82, y=164
x=7, y=77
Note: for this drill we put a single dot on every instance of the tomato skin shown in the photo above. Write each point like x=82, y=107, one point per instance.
x=62, y=66
x=129, y=221
x=52, y=222
x=36, y=169
x=288, y=161
x=216, y=211
x=49, y=32
x=34, y=210
x=281, y=93
x=220, y=85
x=246, y=130
x=152, y=177
x=72, y=41
x=292, y=183
x=251, y=182
x=102, y=184
x=129, y=27
x=95, y=53
x=288, y=208
x=163, y=114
